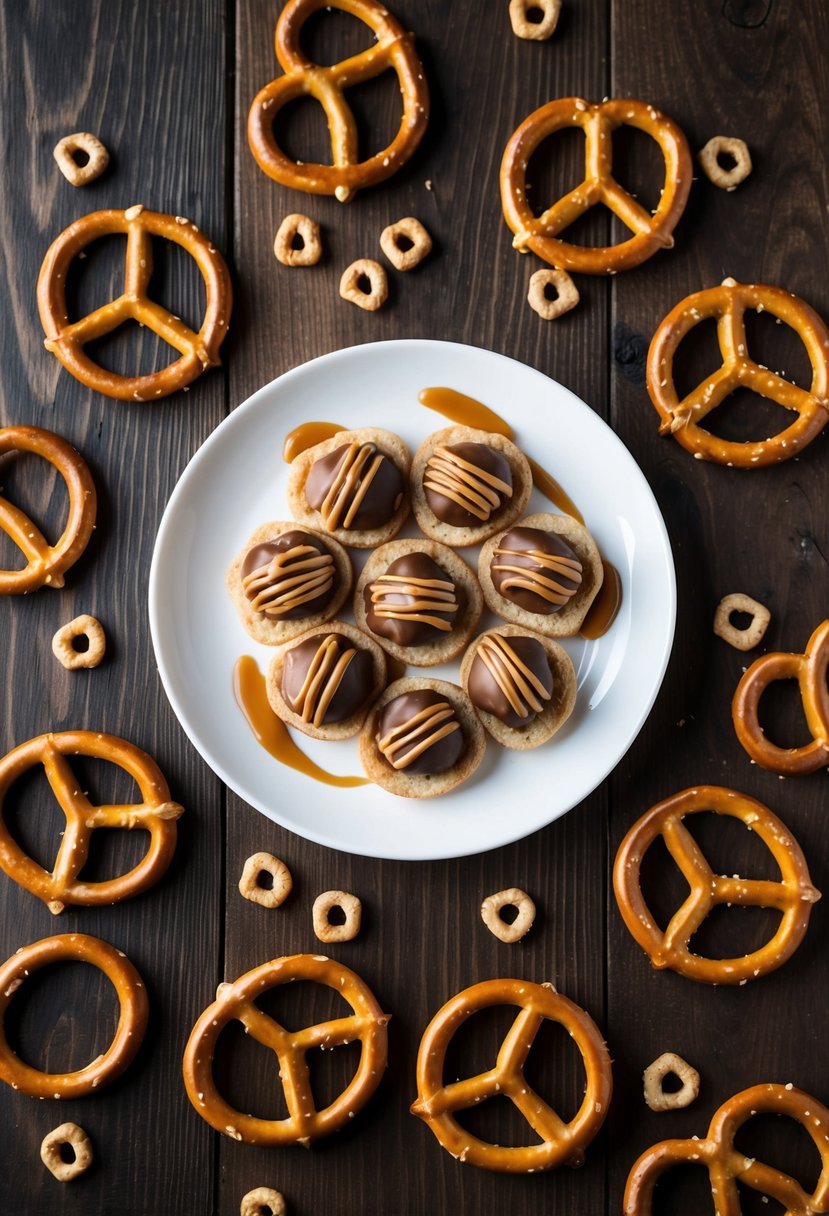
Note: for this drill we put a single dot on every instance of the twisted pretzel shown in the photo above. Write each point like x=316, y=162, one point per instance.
x=155, y=813
x=810, y=671
x=237, y=1002
x=394, y=49
x=727, y=1166
x=66, y=340
x=47, y=564
x=650, y=232
x=132, y=1018
x=793, y=895
x=563, y=1143
x=728, y=303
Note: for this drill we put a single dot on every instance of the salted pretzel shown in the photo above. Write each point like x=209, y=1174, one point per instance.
x=66, y=339
x=793, y=895
x=132, y=1018
x=46, y=564
x=393, y=49
x=728, y=303
x=810, y=671
x=651, y=232
x=237, y=1002
x=155, y=813
x=562, y=1143
x=727, y=1166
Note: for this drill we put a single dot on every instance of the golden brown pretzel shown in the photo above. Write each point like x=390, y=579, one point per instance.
x=727, y=1166
x=155, y=813
x=393, y=49
x=562, y=1143
x=810, y=671
x=132, y=1019
x=66, y=340
x=236, y=1002
x=651, y=232
x=47, y=564
x=728, y=304
x=792, y=896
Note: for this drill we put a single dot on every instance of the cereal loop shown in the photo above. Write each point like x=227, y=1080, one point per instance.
x=753, y=633
x=52, y=1156
x=66, y=151
x=307, y=231
x=536, y=31
x=323, y=907
x=567, y=295
x=351, y=289
x=68, y=654
x=412, y=231
x=262, y=1201
x=493, y=906
x=725, y=145
x=249, y=885
x=669, y=1063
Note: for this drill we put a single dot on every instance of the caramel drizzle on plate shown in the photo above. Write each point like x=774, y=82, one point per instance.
x=429, y=596
x=351, y=484
x=420, y=733
x=544, y=584
x=323, y=678
x=289, y=580
x=470, y=487
x=521, y=686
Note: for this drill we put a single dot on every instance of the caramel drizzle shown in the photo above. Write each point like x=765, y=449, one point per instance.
x=540, y=584
x=420, y=733
x=289, y=580
x=344, y=498
x=428, y=596
x=519, y=684
x=475, y=490
x=323, y=678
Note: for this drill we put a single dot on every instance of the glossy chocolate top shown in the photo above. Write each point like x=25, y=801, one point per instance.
x=536, y=570
x=326, y=678
x=465, y=483
x=418, y=732
x=289, y=577
x=510, y=677
x=355, y=486
x=413, y=602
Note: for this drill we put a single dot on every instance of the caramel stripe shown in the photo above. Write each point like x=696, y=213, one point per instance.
x=289, y=579
x=521, y=687
x=429, y=596
x=324, y=676
x=533, y=580
x=474, y=489
x=350, y=486
x=422, y=731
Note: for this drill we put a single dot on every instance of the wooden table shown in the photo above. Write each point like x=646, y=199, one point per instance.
x=167, y=87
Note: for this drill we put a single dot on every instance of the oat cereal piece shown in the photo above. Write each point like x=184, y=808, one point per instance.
x=65, y=155
x=323, y=907
x=534, y=31
x=670, y=1063
x=250, y=888
x=52, y=1158
x=262, y=1201
x=567, y=297
x=350, y=289
x=65, y=651
x=725, y=145
x=754, y=632
x=413, y=231
x=302, y=227
x=493, y=906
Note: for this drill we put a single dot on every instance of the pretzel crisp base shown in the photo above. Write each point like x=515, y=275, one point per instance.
x=52, y=1156
x=669, y=1063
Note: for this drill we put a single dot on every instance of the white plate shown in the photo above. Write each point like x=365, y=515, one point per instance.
x=236, y=481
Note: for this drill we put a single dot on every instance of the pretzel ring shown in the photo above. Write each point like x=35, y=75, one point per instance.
x=66, y=340
x=63, y=647
x=249, y=886
x=566, y=298
x=263, y=1201
x=737, y=149
x=47, y=564
x=352, y=910
x=155, y=813
x=563, y=1143
x=393, y=49
x=810, y=671
x=650, y=232
x=132, y=1018
x=728, y=303
x=727, y=1166
x=411, y=230
x=793, y=896
x=307, y=231
x=79, y=1142
x=373, y=272
x=535, y=31
x=491, y=910
x=670, y=1063
x=96, y=154
x=236, y=1002
x=754, y=632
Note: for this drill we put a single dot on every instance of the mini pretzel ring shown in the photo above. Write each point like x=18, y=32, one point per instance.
x=47, y=564
x=352, y=910
x=96, y=154
x=727, y=1166
x=132, y=1019
x=249, y=882
x=305, y=229
x=155, y=813
x=420, y=243
x=378, y=292
x=68, y=655
x=754, y=632
x=793, y=896
x=493, y=906
x=393, y=49
x=567, y=294
x=78, y=1141
x=262, y=1201
x=810, y=671
x=725, y=145
x=669, y=1063
x=535, y=31
x=236, y=1002
x=562, y=1143
x=598, y=122
x=683, y=418
x=66, y=340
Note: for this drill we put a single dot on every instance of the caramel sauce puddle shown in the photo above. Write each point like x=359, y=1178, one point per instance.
x=303, y=437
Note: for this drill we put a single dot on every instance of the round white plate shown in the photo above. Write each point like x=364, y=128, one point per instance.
x=236, y=481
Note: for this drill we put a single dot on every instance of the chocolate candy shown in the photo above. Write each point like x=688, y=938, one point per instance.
x=464, y=484
x=413, y=602
x=289, y=577
x=536, y=570
x=418, y=732
x=510, y=677
x=326, y=679
x=355, y=486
